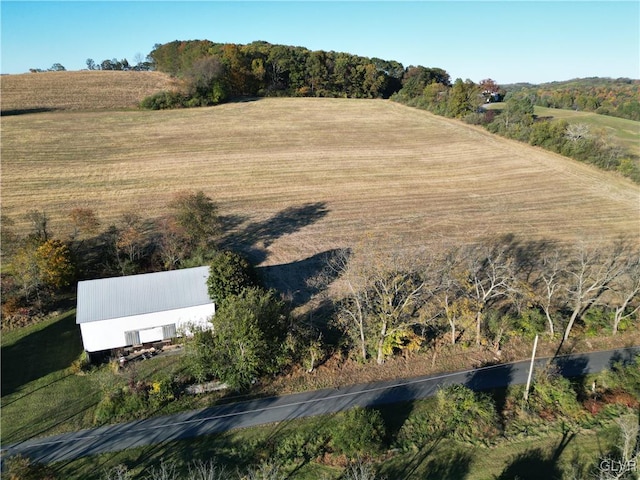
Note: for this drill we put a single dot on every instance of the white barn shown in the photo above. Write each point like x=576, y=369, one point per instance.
x=136, y=309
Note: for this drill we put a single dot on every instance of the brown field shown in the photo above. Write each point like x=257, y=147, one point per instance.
x=85, y=90
x=302, y=176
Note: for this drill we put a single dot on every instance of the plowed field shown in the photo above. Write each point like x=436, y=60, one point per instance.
x=299, y=176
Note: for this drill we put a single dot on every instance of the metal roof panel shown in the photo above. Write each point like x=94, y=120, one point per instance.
x=116, y=297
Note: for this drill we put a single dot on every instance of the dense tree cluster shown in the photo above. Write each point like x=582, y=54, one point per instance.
x=576, y=140
x=616, y=97
x=214, y=72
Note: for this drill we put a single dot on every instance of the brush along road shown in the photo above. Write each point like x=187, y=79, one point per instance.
x=277, y=409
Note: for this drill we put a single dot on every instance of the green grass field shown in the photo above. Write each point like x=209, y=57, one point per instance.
x=626, y=131
x=42, y=396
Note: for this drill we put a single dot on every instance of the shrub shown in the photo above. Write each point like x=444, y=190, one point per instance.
x=358, y=431
x=625, y=377
x=81, y=364
x=305, y=444
x=552, y=396
x=459, y=413
x=122, y=404
x=163, y=100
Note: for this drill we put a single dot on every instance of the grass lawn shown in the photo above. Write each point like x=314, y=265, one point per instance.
x=40, y=394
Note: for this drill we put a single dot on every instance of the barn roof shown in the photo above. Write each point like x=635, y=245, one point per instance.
x=116, y=297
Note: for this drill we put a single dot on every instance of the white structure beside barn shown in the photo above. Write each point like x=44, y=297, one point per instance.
x=141, y=309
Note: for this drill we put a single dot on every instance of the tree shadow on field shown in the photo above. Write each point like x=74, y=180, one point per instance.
x=535, y=463
x=40, y=353
x=434, y=461
x=26, y=111
x=254, y=239
x=300, y=280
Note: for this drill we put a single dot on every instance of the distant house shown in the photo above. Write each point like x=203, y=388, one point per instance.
x=141, y=309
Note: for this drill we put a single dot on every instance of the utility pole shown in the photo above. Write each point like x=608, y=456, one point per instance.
x=533, y=357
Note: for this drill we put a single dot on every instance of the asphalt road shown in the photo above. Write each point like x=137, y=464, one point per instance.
x=277, y=409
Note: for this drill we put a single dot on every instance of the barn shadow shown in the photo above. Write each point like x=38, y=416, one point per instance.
x=253, y=239
x=40, y=353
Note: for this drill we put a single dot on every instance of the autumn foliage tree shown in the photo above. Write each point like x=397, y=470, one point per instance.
x=197, y=216
x=42, y=269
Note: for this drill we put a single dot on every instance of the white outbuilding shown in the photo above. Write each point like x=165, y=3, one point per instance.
x=140, y=309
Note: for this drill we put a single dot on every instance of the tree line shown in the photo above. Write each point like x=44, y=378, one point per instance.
x=394, y=303
x=616, y=97
x=141, y=64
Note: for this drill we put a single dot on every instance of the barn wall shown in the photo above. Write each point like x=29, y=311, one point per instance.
x=108, y=334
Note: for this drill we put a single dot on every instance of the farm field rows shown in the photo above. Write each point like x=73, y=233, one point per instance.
x=83, y=90
x=301, y=176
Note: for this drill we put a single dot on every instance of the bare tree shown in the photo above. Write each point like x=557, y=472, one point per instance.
x=351, y=310
x=164, y=471
x=547, y=286
x=264, y=471
x=173, y=245
x=360, y=470
x=39, y=222
x=626, y=292
x=489, y=269
x=119, y=472
x=450, y=295
x=83, y=222
x=383, y=301
x=625, y=463
x=200, y=470
x=590, y=274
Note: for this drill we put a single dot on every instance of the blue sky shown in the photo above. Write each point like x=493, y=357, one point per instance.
x=508, y=41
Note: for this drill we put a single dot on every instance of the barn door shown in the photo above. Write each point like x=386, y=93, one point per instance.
x=169, y=331
x=132, y=337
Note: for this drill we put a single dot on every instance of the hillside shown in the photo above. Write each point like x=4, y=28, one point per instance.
x=84, y=90
x=627, y=132
x=300, y=176
x=615, y=97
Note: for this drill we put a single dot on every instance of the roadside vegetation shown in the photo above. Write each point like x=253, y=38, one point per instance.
x=566, y=430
